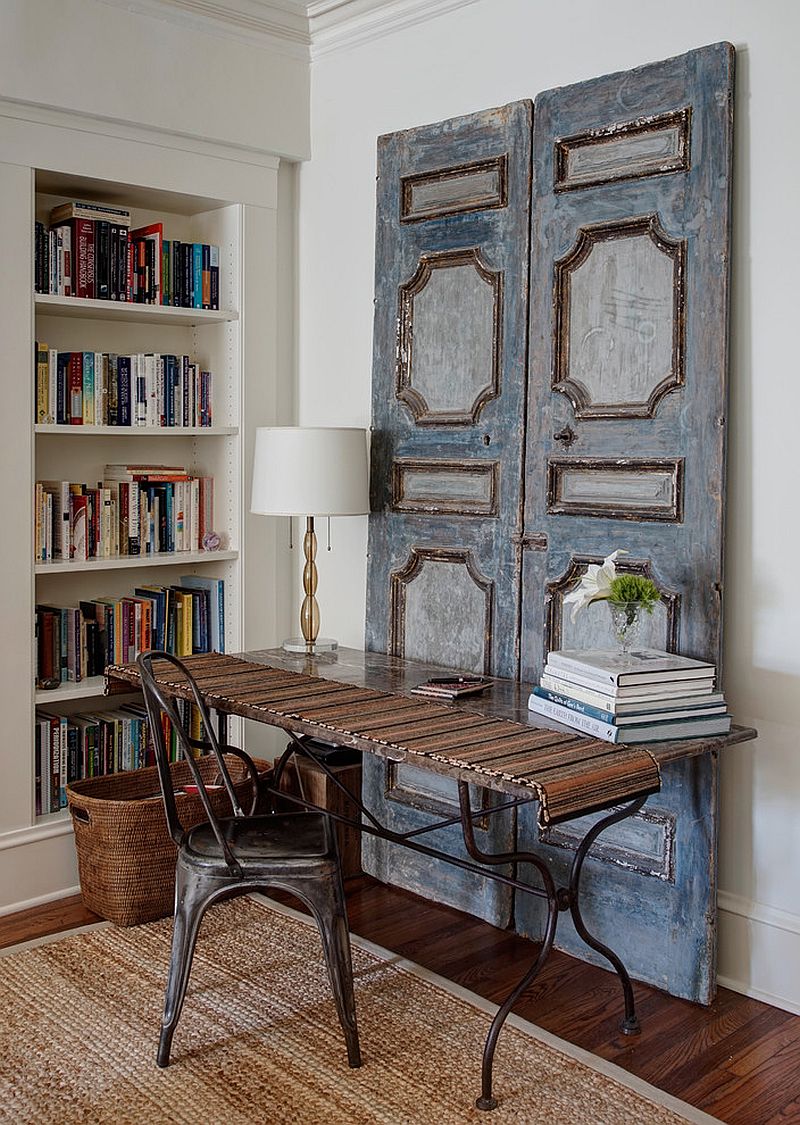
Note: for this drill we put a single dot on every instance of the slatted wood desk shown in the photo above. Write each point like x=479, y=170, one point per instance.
x=362, y=700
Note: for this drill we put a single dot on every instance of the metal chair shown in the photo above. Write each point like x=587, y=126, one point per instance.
x=229, y=856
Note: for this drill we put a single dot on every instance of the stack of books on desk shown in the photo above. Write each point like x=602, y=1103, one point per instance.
x=644, y=696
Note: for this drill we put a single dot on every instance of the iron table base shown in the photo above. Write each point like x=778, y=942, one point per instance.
x=558, y=899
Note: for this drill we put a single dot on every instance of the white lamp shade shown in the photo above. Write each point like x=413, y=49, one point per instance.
x=310, y=471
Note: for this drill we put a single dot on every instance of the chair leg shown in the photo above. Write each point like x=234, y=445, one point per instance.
x=189, y=909
x=327, y=902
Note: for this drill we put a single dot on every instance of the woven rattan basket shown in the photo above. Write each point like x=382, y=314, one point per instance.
x=126, y=857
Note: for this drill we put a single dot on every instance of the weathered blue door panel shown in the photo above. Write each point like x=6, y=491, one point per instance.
x=412, y=799
x=646, y=885
x=493, y=490
x=448, y=415
x=625, y=444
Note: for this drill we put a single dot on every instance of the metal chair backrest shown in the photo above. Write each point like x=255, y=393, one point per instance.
x=159, y=703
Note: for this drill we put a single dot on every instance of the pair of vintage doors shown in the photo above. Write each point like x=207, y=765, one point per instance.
x=549, y=384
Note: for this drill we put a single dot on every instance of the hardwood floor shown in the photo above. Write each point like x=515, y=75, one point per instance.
x=738, y=1060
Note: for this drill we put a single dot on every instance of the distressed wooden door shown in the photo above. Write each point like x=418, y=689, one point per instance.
x=450, y=352
x=625, y=448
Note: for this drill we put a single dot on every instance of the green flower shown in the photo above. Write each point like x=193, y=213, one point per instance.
x=627, y=588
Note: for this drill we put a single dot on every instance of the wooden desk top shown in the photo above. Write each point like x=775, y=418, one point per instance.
x=362, y=699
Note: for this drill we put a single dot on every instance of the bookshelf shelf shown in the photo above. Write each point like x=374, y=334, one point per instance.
x=48, y=305
x=172, y=558
x=85, y=689
x=138, y=431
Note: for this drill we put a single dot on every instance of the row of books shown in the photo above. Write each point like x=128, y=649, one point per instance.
x=69, y=748
x=74, y=643
x=644, y=696
x=89, y=251
x=106, y=389
x=134, y=510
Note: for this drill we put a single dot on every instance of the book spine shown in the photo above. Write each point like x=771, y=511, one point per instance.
x=83, y=242
x=113, y=270
x=62, y=380
x=88, y=389
x=102, y=260
x=214, y=275
x=603, y=714
x=42, y=383
x=76, y=389
x=166, y=273
x=124, y=392
x=205, y=276
x=197, y=275
x=597, y=728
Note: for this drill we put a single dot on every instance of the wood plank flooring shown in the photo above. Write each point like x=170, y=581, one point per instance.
x=738, y=1060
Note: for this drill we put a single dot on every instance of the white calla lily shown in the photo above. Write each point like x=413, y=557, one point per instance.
x=595, y=584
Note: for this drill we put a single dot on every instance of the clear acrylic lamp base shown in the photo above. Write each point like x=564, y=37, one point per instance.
x=321, y=644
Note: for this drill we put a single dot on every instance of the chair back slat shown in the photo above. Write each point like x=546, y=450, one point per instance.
x=158, y=703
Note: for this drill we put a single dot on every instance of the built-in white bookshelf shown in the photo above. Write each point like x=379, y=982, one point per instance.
x=79, y=453
x=226, y=196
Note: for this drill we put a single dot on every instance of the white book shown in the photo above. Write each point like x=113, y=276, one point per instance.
x=642, y=666
x=634, y=704
x=603, y=696
x=652, y=688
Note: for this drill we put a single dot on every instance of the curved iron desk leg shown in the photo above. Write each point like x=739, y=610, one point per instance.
x=630, y=1024
x=486, y=1100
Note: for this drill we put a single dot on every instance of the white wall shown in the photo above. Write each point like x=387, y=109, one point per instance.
x=495, y=51
x=101, y=59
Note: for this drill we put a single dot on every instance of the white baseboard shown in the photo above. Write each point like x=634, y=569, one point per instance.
x=759, y=951
x=40, y=900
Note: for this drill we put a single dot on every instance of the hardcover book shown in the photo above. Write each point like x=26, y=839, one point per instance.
x=643, y=666
x=562, y=680
x=451, y=687
x=636, y=732
x=687, y=707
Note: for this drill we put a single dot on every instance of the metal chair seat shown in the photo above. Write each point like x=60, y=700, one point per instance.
x=234, y=855
x=265, y=843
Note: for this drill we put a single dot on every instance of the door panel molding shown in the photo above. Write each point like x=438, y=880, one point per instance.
x=430, y=486
x=622, y=488
x=440, y=324
x=650, y=146
x=625, y=329
x=400, y=581
x=479, y=186
x=556, y=591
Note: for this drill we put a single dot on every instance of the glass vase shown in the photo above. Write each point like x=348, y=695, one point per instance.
x=626, y=623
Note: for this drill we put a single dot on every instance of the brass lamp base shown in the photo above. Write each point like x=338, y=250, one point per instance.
x=310, y=643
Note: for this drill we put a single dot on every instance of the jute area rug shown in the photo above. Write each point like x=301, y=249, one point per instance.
x=259, y=1040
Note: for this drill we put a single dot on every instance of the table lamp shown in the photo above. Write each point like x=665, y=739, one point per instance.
x=310, y=471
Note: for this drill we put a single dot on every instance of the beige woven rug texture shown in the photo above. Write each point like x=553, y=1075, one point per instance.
x=259, y=1040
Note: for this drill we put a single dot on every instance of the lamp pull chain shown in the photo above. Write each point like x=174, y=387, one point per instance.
x=329, y=533
x=291, y=543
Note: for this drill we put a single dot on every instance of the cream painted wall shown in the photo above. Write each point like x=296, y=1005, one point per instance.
x=495, y=51
x=95, y=58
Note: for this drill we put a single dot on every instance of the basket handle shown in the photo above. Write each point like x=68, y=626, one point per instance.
x=81, y=814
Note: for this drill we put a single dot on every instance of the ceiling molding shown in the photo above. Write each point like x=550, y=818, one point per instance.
x=280, y=25
x=336, y=24
x=303, y=29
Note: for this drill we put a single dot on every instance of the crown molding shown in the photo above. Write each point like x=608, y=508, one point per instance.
x=279, y=25
x=36, y=113
x=336, y=24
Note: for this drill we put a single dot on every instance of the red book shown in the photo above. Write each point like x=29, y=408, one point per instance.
x=149, y=280
x=76, y=388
